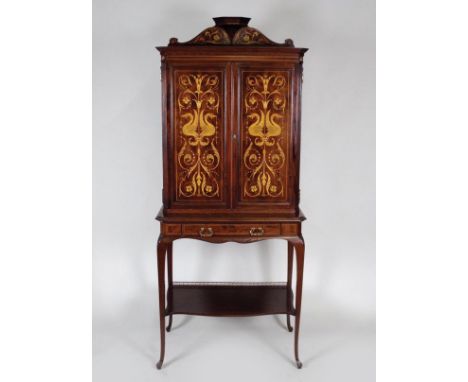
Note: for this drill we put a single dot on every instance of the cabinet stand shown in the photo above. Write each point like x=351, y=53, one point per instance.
x=233, y=299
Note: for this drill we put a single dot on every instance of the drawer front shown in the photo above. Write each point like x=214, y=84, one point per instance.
x=209, y=230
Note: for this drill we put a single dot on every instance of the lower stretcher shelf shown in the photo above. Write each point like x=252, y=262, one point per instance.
x=229, y=299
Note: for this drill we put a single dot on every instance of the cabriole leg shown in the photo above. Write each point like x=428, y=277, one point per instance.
x=290, y=267
x=161, y=254
x=299, y=247
x=169, y=280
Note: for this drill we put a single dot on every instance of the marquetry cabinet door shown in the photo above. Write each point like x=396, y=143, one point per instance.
x=266, y=167
x=197, y=135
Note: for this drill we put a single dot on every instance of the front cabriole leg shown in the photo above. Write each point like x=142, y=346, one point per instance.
x=161, y=256
x=290, y=267
x=169, y=280
x=299, y=247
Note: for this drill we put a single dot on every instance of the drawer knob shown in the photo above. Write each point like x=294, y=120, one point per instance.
x=256, y=231
x=206, y=232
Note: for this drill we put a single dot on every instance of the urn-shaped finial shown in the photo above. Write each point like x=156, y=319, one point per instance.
x=231, y=24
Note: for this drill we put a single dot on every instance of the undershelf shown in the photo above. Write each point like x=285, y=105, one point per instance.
x=229, y=299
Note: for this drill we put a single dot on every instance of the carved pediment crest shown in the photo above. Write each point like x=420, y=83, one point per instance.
x=231, y=31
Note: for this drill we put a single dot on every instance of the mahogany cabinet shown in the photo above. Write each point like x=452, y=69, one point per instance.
x=231, y=108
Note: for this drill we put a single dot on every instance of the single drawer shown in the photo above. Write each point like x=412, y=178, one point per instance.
x=209, y=230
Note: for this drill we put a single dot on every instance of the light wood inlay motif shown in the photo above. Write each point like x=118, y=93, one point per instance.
x=265, y=134
x=198, y=115
x=212, y=35
x=251, y=36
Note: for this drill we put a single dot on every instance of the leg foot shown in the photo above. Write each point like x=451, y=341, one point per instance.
x=168, y=329
x=288, y=321
x=299, y=364
x=159, y=365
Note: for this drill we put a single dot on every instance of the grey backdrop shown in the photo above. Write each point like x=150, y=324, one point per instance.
x=338, y=198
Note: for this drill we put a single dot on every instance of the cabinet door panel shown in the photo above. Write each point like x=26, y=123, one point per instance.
x=199, y=118
x=265, y=124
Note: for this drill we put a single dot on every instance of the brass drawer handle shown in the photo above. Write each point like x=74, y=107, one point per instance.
x=206, y=232
x=258, y=231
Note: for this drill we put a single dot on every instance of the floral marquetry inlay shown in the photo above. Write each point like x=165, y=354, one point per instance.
x=212, y=35
x=265, y=135
x=198, y=142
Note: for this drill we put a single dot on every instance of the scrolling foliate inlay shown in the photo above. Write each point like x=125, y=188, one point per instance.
x=198, y=142
x=265, y=135
x=212, y=35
